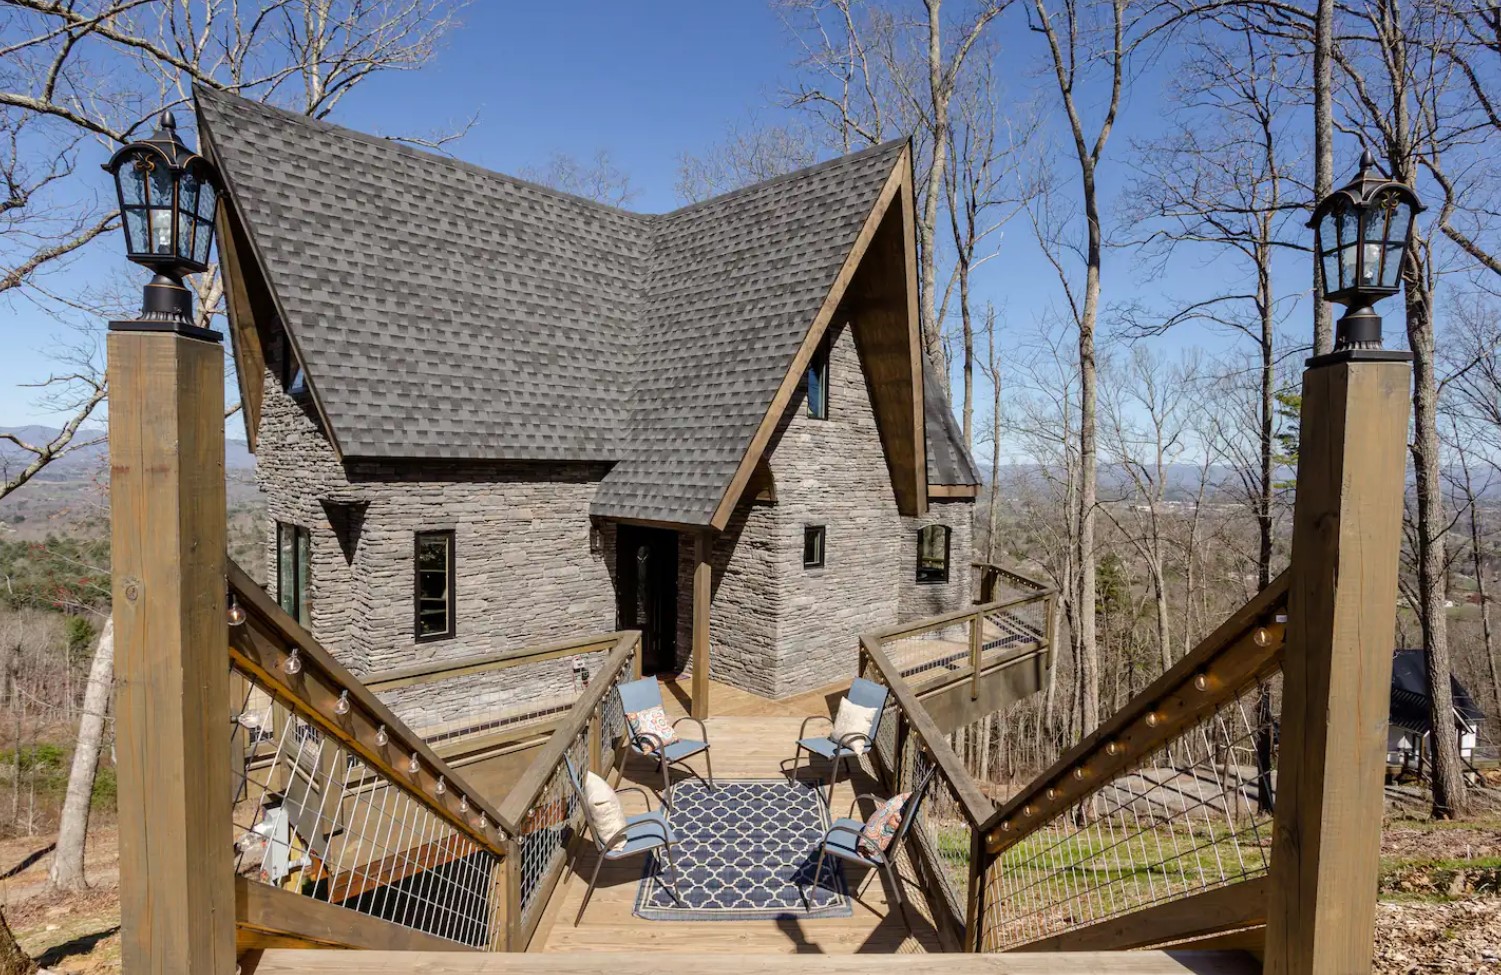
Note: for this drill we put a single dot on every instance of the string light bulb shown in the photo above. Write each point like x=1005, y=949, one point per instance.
x=293, y=664
x=234, y=612
x=1262, y=636
x=1153, y=719
x=381, y=738
x=1201, y=681
x=1113, y=747
x=1079, y=773
x=442, y=786
x=1052, y=792
x=463, y=803
x=341, y=707
x=1027, y=810
x=1005, y=826
x=413, y=765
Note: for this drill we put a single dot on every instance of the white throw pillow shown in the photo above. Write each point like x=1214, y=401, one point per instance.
x=852, y=718
x=602, y=809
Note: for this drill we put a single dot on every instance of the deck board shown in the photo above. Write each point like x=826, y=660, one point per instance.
x=744, y=747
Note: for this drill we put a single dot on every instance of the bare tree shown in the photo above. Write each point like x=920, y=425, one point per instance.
x=596, y=179
x=868, y=74
x=747, y=154
x=303, y=54
x=1074, y=47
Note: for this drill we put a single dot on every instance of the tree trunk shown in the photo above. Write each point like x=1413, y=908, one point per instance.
x=13, y=961
x=1323, y=154
x=1089, y=653
x=67, y=863
x=1448, y=780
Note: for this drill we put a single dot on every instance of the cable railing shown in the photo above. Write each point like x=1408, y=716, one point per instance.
x=541, y=813
x=338, y=806
x=1158, y=826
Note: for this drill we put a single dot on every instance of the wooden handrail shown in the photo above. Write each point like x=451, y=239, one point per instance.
x=436, y=670
x=899, y=630
x=977, y=809
x=260, y=647
x=1228, y=660
x=513, y=808
x=1016, y=575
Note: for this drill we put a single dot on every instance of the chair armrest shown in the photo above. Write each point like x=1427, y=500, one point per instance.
x=656, y=743
x=856, y=801
x=837, y=828
x=701, y=727
x=802, y=732
x=852, y=737
x=636, y=788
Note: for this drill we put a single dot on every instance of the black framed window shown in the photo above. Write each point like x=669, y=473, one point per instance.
x=818, y=384
x=434, y=607
x=293, y=568
x=813, y=546
x=933, y=553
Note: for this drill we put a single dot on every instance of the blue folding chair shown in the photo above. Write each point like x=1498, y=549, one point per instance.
x=638, y=695
x=842, y=841
x=865, y=693
x=643, y=833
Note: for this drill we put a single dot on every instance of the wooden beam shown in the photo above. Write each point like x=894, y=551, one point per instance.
x=1342, y=610
x=284, y=962
x=167, y=498
x=1223, y=909
x=947, y=491
x=269, y=917
x=435, y=670
x=703, y=582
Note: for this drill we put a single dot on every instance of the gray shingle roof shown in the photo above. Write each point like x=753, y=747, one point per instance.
x=949, y=461
x=443, y=310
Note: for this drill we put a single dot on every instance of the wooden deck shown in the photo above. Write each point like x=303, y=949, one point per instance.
x=751, y=738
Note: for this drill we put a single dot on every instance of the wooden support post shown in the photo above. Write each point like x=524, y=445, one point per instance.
x=166, y=440
x=976, y=645
x=1342, y=607
x=596, y=752
x=979, y=864
x=703, y=578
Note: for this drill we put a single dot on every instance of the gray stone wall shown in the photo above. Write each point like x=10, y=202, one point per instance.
x=779, y=629
x=524, y=572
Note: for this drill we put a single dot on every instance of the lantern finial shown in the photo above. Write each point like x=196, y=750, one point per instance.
x=1367, y=160
x=168, y=121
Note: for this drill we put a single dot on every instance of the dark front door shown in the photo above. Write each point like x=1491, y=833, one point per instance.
x=646, y=573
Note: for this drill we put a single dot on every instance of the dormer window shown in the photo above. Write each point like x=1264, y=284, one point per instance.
x=818, y=384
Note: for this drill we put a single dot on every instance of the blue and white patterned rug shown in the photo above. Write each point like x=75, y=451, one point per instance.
x=745, y=852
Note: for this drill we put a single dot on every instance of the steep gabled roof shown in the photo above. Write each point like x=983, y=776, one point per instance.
x=441, y=310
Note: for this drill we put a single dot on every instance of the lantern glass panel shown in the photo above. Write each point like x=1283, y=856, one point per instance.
x=161, y=232
x=187, y=200
x=132, y=179
x=135, y=231
x=206, y=199
x=1349, y=224
x=1396, y=240
x=161, y=184
x=1328, y=243
x=202, y=241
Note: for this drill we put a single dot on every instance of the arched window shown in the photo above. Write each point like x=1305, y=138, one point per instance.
x=933, y=553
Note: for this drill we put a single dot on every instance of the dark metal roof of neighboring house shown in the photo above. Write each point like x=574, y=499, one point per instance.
x=1409, y=698
x=445, y=311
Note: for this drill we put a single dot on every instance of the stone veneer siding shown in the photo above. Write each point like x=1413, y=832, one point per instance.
x=778, y=629
x=523, y=570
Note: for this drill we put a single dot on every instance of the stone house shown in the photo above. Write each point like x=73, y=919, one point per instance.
x=489, y=415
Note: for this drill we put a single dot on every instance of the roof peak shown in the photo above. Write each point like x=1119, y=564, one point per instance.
x=296, y=118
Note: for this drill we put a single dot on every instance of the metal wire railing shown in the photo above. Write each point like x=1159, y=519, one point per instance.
x=542, y=812
x=335, y=800
x=313, y=817
x=1170, y=798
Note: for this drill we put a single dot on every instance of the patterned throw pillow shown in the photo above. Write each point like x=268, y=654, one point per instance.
x=652, y=721
x=881, y=826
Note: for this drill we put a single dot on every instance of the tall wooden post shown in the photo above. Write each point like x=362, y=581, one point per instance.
x=166, y=451
x=1342, y=605
x=703, y=580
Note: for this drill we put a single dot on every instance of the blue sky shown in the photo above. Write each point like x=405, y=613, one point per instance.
x=645, y=82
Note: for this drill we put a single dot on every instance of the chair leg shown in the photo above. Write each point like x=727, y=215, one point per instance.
x=817, y=873
x=797, y=762
x=709, y=761
x=833, y=778
x=666, y=782
x=599, y=861
x=673, y=865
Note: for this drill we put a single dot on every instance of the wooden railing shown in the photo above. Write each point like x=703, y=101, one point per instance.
x=942, y=848
x=338, y=804
x=1131, y=838
x=990, y=577
x=541, y=814
x=937, y=652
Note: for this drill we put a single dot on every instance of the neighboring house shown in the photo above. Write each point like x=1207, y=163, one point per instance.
x=1410, y=723
x=489, y=415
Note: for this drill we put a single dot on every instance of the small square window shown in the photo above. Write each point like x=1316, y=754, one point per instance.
x=813, y=539
x=818, y=384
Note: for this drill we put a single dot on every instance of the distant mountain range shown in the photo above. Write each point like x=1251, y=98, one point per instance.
x=85, y=461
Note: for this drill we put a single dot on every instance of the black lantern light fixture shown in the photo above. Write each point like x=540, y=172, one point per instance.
x=167, y=196
x=1361, y=234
